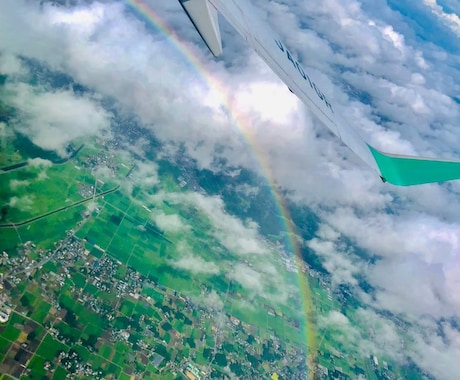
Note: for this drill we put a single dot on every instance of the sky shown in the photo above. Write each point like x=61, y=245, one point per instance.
x=390, y=68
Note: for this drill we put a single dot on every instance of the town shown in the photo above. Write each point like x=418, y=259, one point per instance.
x=95, y=317
x=98, y=295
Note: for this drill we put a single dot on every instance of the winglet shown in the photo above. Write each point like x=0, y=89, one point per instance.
x=408, y=170
x=205, y=19
x=395, y=169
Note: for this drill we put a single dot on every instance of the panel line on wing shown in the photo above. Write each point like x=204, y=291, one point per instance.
x=396, y=169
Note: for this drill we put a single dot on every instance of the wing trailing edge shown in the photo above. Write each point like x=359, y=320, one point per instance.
x=204, y=17
x=396, y=169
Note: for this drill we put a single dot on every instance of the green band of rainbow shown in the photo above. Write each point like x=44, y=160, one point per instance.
x=406, y=170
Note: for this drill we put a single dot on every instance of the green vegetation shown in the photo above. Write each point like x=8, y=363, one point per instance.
x=99, y=284
x=50, y=348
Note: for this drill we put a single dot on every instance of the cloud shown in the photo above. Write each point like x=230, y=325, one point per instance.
x=103, y=173
x=401, y=91
x=11, y=65
x=169, y=223
x=196, y=264
x=416, y=288
x=451, y=20
x=382, y=336
x=258, y=273
x=53, y=119
x=15, y=183
x=238, y=237
x=191, y=262
x=39, y=162
x=341, y=329
x=437, y=354
x=365, y=333
x=247, y=190
x=343, y=267
x=212, y=300
x=145, y=174
x=4, y=132
x=415, y=266
x=23, y=203
x=247, y=277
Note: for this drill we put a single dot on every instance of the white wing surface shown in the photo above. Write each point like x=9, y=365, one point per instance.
x=395, y=169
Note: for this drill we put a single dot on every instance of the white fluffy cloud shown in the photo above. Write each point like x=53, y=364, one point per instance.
x=23, y=203
x=212, y=300
x=436, y=349
x=342, y=267
x=195, y=264
x=53, y=119
x=39, y=162
x=11, y=65
x=369, y=334
x=238, y=237
x=145, y=174
x=248, y=278
x=169, y=223
x=192, y=262
x=15, y=183
x=452, y=20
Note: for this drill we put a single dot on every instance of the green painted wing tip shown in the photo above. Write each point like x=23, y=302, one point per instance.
x=407, y=171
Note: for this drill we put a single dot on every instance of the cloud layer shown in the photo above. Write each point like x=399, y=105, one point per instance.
x=382, y=70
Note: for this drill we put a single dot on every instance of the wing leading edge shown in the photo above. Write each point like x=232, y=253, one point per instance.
x=396, y=169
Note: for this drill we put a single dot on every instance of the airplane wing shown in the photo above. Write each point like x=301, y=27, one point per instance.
x=396, y=169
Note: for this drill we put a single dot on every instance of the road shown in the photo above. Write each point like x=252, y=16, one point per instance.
x=34, y=219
